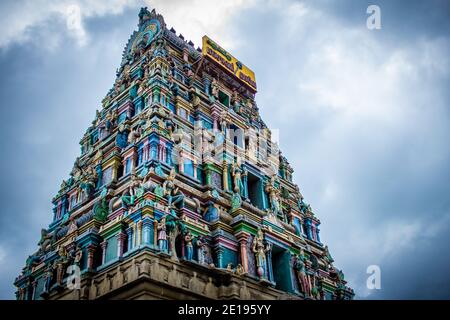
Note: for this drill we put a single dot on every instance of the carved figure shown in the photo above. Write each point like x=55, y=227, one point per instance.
x=260, y=249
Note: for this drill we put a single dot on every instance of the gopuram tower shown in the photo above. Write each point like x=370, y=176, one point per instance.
x=179, y=191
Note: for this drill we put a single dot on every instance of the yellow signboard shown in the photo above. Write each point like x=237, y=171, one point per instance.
x=227, y=61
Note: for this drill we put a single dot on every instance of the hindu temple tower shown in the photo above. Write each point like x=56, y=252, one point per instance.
x=179, y=191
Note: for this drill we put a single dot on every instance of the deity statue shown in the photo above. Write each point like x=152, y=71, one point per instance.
x=223, y=122
x=260, y=249
x=127, y=199
x=195, y=99
x=299, y=266
x=122, y=136
x=101, y=209
x=135, y=184
x=111, y=120
x=160, y=48
x=134, y=135
x=211, y=212
x=174, y=194
x=77, y=169
x=60, y=265
x=303, y=206
x=201, y=249
x=172, y=233
x=240, y=270
x=162, y=235
x=215, y=88
x=147, y=184
x=316, y=288
x=235, y=101
x=236, y=201
x=48, y=278
x=274, y=194
x=188, y=245
x=46, y=241
x=237, y=172
x=88, y=182
x=78, y=256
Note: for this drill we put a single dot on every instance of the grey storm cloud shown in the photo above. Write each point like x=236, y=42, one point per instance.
x=362, y=115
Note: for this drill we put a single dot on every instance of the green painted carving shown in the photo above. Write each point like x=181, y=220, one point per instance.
x=101, y=210
x=236, y=201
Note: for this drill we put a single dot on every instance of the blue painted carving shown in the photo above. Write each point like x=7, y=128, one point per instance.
x=122, y=139
x=308, y=229
x=99, y=171
x=212, y=213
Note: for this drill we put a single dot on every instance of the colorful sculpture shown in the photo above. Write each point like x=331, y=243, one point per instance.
x=60, y=265
x=162, y=235
x=237, y=173
x=174, y=195
x=260, y=248
x=189, y=246
x=274, y=194
x=300, y=269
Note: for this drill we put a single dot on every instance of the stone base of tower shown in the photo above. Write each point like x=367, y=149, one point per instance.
x=148, y=275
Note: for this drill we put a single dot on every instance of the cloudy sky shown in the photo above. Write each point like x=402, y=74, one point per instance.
x=363, y=117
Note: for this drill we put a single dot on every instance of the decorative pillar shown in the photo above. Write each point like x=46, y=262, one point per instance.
x=139, y=233
x=245, y=183
x=104, y=245
x=225, y=175
x=146, y=153
x=269, y=265
x=140, y=156
x=219, y=255
x=56, y=216
x=155, y=232
x=153, y=151
x=215, y=119
x=206, y=85
x=33, y=289
x=195, y=165
x=181, y=162
x=121, y=244
x=208, y=178
x=169, y=155
x=317, y=234
x=134, y=231
x=264, y=194
x=308, y=229
x=133, y=158
x=130, y=238
x=90, y=256
x=115, y=168
x=162, y=152
x=243, y=250
x=124, y=164
x=147, y=224
x=313, y=232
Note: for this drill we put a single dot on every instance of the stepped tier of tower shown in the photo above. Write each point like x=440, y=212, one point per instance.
x=180, y=191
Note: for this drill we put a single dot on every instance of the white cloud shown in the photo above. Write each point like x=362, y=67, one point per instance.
x=192, y=18
x=21, y=16
x=199, y=17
